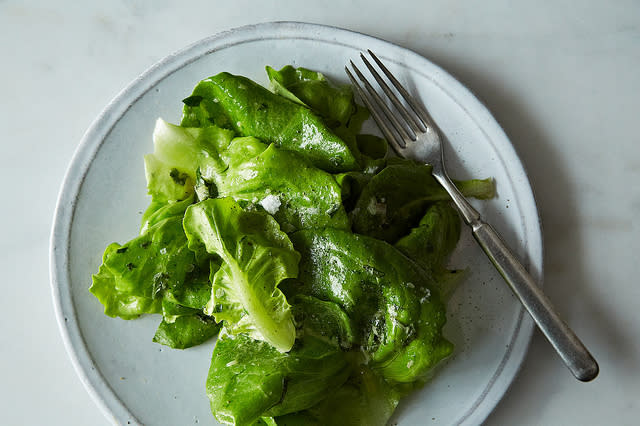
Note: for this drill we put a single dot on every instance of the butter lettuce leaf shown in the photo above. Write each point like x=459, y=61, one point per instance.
x=393, y=302
x=324, y=320
x=160, y=210
x=183, y=323
x=135, y=277
x=249, y=379
x=335, y=104
x=120, y=301
x=365, y=399
x=372, y=146
x=299, y=196
x=249, y=109
x=415, y=360
x=396, y=198
x=255, y=256
x=179, y=152
x=186, y=330
x=432, y=241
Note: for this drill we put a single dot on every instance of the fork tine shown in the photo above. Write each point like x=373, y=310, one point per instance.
x=415, y=106
x=388, y=134
x=402, y=130
x=411, y=119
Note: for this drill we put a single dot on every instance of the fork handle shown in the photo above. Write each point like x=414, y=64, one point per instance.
x=574, y=354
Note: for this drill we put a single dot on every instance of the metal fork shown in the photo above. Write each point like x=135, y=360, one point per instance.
x=412, y=133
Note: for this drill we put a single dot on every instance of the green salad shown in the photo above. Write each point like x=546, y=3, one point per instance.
x=316, y=258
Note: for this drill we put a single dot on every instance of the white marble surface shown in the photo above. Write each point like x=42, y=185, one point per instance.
x=562, y=78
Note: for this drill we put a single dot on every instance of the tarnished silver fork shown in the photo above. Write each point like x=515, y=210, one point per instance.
x=412, y=133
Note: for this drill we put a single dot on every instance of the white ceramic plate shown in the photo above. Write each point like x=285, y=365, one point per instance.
x=134, y=380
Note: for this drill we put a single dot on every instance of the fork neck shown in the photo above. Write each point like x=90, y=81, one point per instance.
x=468, y=213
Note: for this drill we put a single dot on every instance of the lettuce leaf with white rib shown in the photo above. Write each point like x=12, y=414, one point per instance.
x=255, y=256
x=179, y=153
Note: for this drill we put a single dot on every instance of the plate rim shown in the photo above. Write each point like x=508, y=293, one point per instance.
x=95, y=384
